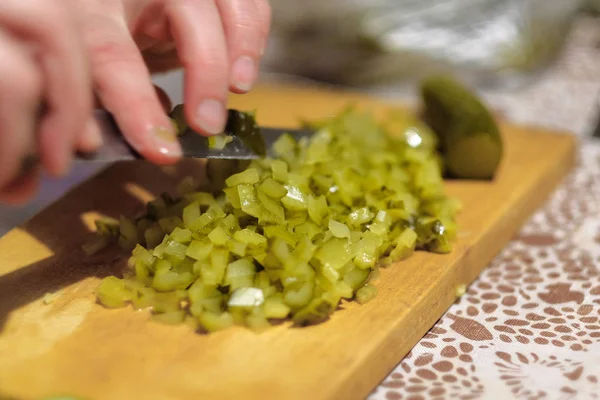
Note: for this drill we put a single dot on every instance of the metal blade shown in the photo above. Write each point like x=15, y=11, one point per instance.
x=194, y=145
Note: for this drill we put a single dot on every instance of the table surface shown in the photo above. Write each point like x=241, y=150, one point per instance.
x=529, y=326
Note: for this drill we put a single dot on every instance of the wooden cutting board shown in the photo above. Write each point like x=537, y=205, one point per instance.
x=74, y=346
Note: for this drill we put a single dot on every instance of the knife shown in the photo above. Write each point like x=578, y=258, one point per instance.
x=193, y=145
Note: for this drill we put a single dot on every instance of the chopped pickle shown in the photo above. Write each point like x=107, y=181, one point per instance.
x=218, y=236
x=366, y=294
x=112, y=292
x=95, y=244
x=249, y=237
x=274, y=307
x=317, y=310
x=288, y=236
x=212, y=321
x=218, y=170
x=338, y=229
x=153, y=235
x=107, y=226
x=219, y=142
x=246, y=298
x=249, y=176
x=50, y=297
x=129, y=235
x=272, y=188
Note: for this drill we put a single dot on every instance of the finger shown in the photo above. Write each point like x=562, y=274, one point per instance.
x=243, y=30
x=264, y=11
x=21, y=189
x=125, y=89
x=198, y=33
x=19, y=97
x=67, y=85
x=90, y=139
x=163, y=97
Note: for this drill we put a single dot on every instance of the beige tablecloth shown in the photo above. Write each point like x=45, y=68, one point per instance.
x=529, y=326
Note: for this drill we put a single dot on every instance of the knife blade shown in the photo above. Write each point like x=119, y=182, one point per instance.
x=193, y=145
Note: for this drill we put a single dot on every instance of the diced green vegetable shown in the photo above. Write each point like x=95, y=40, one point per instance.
x=95, y=244
x=287, y=237
x=181, y=235
x=280, y=171
x=274, y=307
x=250, y=237
x=212, y=321
x=366, y=294
x=218, y=142
x=240, y=273
x=246, y=298
x=170, y=223
x=107, y=226
x=272, y=188
x=317, y=310
x=154, y=235
x=218, y=236
x=112, y=292
x=317, y=208
x=129, y=234
x=50, y=297
x=338, y=229
x=249, y=176
x=218, y=170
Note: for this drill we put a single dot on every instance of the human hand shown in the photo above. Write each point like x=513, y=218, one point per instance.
x=42, y=62
x=217, y=42
x=112, y=46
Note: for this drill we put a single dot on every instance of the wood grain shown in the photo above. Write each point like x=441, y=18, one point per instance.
x=74, y=346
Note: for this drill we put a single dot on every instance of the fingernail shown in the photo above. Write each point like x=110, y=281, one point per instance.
x=244, y=73
x=166, y=142
x=211, y=116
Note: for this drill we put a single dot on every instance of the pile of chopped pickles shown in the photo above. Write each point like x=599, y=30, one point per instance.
x=289, y=236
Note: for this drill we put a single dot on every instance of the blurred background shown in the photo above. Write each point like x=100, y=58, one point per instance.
x=375, y=42
x=534, y=61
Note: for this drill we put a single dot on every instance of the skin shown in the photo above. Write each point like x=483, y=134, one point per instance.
x=72, y=55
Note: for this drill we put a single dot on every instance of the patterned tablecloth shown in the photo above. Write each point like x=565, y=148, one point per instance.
x=529, y=326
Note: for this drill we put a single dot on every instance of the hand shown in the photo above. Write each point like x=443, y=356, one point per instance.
x=41, y=59
x=217, y=42
x=59, y=52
